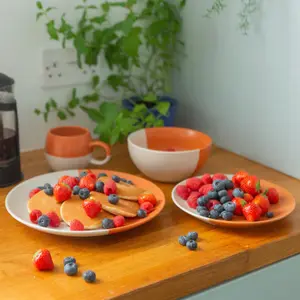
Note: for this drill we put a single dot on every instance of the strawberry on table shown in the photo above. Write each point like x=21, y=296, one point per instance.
x=194, y=183
x=206, y=178
x=42, y=260
x=33, y=192
x=87, y=182
x=192, y=199
x=248, y=198
x=219, y=176
x=250, y=185
x=147, y=197
x=239, y=204
x=62, y=192
x=273, y=195
x=92, y=208
x=238, y=177
x=263, y=202
x=252, y=212
x=69, y=180
x=183, y=191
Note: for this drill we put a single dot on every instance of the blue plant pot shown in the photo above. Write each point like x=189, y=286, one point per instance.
x=168, y=120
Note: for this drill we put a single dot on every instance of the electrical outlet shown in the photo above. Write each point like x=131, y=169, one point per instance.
x=60, y=69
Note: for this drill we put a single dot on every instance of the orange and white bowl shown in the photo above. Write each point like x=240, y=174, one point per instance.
x=169, y=154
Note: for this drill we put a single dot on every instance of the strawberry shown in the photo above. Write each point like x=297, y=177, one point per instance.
x=219, y=176
x=69, y=180
x=92, y=208
x=110, y=187
x=33, y=192
x=239, y=203
x=119, y=221
x=263, y=202
x=42, y=260
x=192, y=199
x=252, y=212
x=211, y=203
x=76, y=225
x=147, y=197
x=250, y=185
x=194, y=183
x=272, y=195
x=34, y=215
x=238, y=177
x=147, y=206
x=62, y=192
x=87, y=182
x=183, y=191
x=205, y=189
x=92, y=175
x=54, y=219
x=248, y=198
x=206, y=178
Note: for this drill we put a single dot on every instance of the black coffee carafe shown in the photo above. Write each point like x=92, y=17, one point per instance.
x=10, y=164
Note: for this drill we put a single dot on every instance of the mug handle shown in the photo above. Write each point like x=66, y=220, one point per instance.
x=107, y=149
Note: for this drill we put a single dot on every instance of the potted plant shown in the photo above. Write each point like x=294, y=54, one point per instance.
x=140, y=51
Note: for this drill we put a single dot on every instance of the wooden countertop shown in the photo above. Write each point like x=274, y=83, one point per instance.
x=147, y=262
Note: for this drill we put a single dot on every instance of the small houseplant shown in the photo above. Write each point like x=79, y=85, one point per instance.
x=140, y=52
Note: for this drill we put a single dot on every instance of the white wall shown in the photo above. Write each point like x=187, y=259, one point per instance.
x=244, y=91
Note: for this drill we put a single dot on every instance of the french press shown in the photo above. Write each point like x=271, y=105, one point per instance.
x=10, y=164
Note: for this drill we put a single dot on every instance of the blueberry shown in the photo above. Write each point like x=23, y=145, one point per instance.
x=201, y=201
x=225, y=199
x=230, y=206
x=219, y=208
x=116, y=178
x=47, y=185
x=84, y=193
x=76, y=190
x=107, y=223
x=142, y=213
x=49, y=191
x=43, y=221
x=204, y=213
x=226, y=215
x=102, y=175
x=69, y=259
x=238, y=193
x=123, y=180
x=82, y=174
x=89, y=276
x=182, y=240
x=223, y=193
x=113, y=199
x=200, y=207
x=270, y=214
x=191, y=245
x=212, y=195
x=41, y=187
x=214, y=214
x=71, y=269
x=229, y=184
x=193, y=235
x=129, y=182
x=219, y=185
x=77, y=178
x=100, y=187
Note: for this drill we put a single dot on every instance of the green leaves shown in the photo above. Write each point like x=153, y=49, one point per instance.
x=52, y=30
x=131, y=42
x=163, y=108
x=39, y=5
x=99, y=20
x=79, y=44
x=61, y=115
x=37, y=112
x=151, y=97
x=115, y=81
x=94, y=97
x=106, y=7
x=95, y=81
x=93, y=114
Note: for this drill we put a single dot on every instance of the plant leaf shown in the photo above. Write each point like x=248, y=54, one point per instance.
x=72, y=114
x=91, y=98
x=52, y=30
x=163, y=108
x=110, y=111
x=39, y=5
x=159, y=123
x=127, y=24
x=150, y=98
x=79, y=7
x=182, y=3
x=95, y=81
x=79, y=43
x=73, y=103
x=93, y=114
x=139, y=108
x=53, y=103
x=47, y=106
x=45, y=115
x=131, y=43
x=50, y=8
x=115, y=81
x=105, y=7
x=37, y=112
x=61, y=115
x=98, y=20
x=38, y=15
x=115, y=135
x=92, y=7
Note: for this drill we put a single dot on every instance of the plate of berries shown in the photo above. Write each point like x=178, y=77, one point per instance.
x=233, y=200
x=85, y=203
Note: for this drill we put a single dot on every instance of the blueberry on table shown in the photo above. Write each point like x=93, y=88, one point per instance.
x=230, y=206
x=76, y=190
x=201, y=201
x=102, y=175
x=212, y=195
x=225, y=199
x=44, y=221
x=84, y=193
x=270, y=214
x=113, y=199
x=116, y=178
x=226, y=215
x=83, y=174
x=193, y=235
x=142, y=213
x=71, y=269
x=99, y=187
x=214, y=214
x=203, y=213
x=89, y=276
x=107, y=223
x=219, y=208
x=238, y=193
x=69, y=259
x=229, y=184
x=48, y=191
x=191, y=245
x=222, y=193
x=182, y=240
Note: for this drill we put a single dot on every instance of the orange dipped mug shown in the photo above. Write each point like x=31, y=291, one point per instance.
x=71, y=147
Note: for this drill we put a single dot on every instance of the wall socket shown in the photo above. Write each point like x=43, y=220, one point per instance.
x=60, y=69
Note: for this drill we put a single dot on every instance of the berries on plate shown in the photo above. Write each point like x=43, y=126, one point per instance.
x=76, y=225
x=92, y=175
x=83, y=174
x=89, y=276
x=119, y=221
x=141, y=213
x=99, y=186
x=250, y=185
x=48, y=190
x=191, y=245
x=76, y=190
x=272, y=195
x=192, y=199
x=84, y=193
x=219, y=176
x=183, y=191
x=248, y=198
x=229, y=206
x=225, y=199
x=204, y=189
x=91, y=208
x=71, y=269
x=206, y=179
x=116, y=178
x=147, y=206
x=107, y=223
x=222, y=193
x=44, y=221
x=194, y=183
x=182, y=240
x=147, y=197
x=229, y=184
x=270, y=214
x=211, y=203
x=110, y=187
x=33, y=192
x=226, y=215
x=238, y=193
x=54, y=219
x=69, y=259
x=239, y=204
x=102, y=175
x=69, y=180
x=219, y=185
x=252, y=212
x=42, y=260
x=262, y=202
x=219, y=207
x=113, y=199
x=212, y=195
x=238, y=177
x=87, y=182
x=193, y=235
x=214, y=214
x=203, y=200
x=203, y=213
x=34, y=215
x=62, y=192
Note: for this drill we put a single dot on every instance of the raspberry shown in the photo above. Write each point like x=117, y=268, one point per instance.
x=219, y=176
x=194, y=183
x=147, y=206
x=229, y=192
x=54, y=219
x=76, y=225
x=33, y=192
x=34, y=215
x=206, y=179
x=110, y=187
x=192, y=199
x=205, y=189
x=211, y=203
x=119, y=221
x=183, y=191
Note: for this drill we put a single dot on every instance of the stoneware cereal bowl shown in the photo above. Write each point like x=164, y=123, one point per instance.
x=169, y=154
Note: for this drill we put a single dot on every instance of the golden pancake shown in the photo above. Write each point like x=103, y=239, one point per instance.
x=124, y=208
x=44, y=203
x=72, y=209
x=125, y=190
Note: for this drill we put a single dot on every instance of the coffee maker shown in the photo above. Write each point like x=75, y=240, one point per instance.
x=10, y=164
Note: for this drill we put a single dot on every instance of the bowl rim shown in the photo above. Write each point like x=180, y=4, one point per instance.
x=129, y=141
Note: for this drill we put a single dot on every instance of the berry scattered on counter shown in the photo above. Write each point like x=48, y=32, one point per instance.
x=76, y=225
x=142, y=213
x=116, y=178
x=42, y=260
x=91, y=208
x=102, y=175
x=71, y=269
x=110, y=187
x=54, y=219
x=107, y=223
x=33, y=192
x=84, y=193
x=69, y=259
x=89, y=276
x=270, y=214
x=193, y=235
x=119, y=221
x=113, y=199
x=182, y=240
x=76, y=190
x=191, y=245
x=44, y=221
x=34, y=215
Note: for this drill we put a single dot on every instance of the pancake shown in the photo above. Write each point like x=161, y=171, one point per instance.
x=126, y=191
x=44, y=203
x=72, y=209
x=124, y=208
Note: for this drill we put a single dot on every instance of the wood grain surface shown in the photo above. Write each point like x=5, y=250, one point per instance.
x=146, y=262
